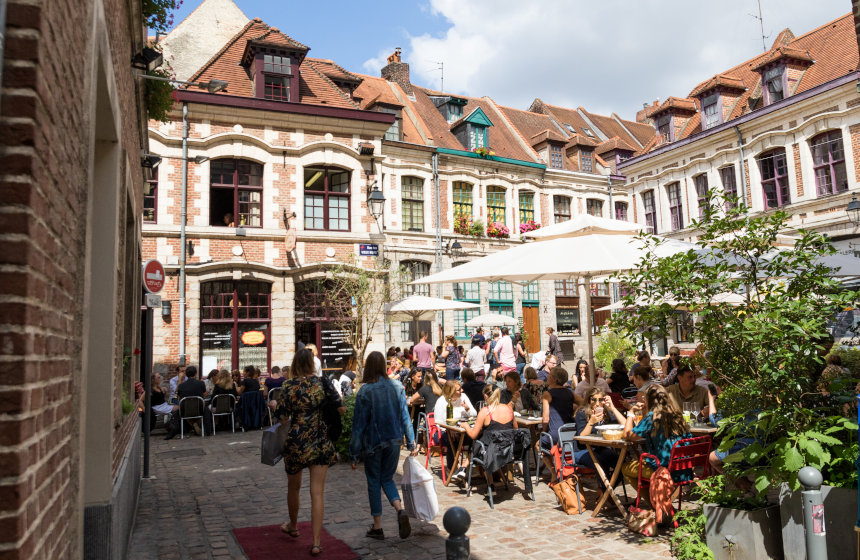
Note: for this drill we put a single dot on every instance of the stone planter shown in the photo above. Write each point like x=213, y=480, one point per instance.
x=734, y=534
x=840, y=514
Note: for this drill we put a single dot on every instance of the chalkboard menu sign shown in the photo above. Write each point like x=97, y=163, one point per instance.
x=567, y=321
x=334, y=345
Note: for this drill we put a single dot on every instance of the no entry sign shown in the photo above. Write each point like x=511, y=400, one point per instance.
x=153, y=276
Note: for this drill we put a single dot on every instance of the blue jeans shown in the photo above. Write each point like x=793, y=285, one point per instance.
x=605, y=455
x=379, y=469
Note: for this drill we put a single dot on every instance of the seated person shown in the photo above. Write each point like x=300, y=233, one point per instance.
x=251, y=382
x=494, y=416
x=158, y=399
x=643, y=360
x=452, y=393
x=618, y=379
x=275, y=380
x=642, y=381
x=224, y=384
x=659, y=429
x=228, y=219
x=585, y=385
x=430, y=391
x=175, y=382
x=534, y=385
x=519, y=400
x=557, y=411
x=191, y=387
x=687, y=391
x=549, y=364
x=473, y=388
x=597, y=410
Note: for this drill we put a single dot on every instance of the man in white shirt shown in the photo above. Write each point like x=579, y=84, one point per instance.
x=504, y=351
x=475, y=361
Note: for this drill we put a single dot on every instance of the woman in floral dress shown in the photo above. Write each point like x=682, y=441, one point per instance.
x=307, y=444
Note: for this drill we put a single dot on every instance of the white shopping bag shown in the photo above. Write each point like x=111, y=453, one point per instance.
x=419, y=492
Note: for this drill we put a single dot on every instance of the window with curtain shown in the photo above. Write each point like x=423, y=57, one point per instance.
x=730, y=187
x=560, y=208
x=462, y=199
x=701, y=183
x=828, y=160
x=594, y=207
x=774, y=178
x=412, y=194
x=676, y=209
x=621, y=211
x=415, y=270
x=495, y=204
x=650, y=210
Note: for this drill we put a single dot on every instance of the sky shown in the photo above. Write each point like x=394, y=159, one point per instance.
x=607, y=56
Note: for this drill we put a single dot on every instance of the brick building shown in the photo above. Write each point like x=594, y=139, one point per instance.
x=303, y=135
x=781, y=130
x=72, y=130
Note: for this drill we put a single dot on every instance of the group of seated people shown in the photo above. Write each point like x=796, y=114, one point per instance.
x=245, y=387
x=652, y=416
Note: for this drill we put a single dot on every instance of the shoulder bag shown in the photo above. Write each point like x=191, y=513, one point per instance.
x=330, y=412
x=569, y=497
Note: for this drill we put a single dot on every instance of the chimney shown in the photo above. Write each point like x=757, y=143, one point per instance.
x=398, y=72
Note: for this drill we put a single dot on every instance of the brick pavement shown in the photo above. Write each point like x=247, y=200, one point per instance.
x=202, y=488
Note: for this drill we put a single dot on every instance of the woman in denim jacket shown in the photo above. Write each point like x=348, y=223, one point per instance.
x=380, y=420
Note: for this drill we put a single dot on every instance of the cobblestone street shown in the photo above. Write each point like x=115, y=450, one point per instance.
x=202, y=488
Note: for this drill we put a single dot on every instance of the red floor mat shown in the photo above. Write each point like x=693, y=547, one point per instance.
x=266, y=543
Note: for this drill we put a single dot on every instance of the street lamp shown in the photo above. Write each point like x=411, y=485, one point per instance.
x=376, y=202
x=151, y=161
x=853, y=211
x=454, y=249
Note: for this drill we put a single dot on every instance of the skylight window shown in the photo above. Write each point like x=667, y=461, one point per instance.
x=570, y=128
x=587, y=131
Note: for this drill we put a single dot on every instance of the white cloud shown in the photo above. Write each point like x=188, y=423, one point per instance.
x=611, y=55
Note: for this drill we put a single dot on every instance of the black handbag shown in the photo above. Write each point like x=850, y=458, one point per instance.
x=330, y=413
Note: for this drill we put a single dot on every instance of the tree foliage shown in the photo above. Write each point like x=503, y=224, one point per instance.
x=356, y=297
x=766, y=353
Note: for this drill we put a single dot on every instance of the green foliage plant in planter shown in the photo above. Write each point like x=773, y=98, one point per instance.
x=612, y=345
x=477, y=228
x=342, y=444
x=766, y=353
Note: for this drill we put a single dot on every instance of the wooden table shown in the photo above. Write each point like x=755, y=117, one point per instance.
x=703, y=430
x=534, y=426
x=453, y=430
x=620, y=444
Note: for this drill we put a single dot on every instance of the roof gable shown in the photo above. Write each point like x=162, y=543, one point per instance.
x=477, y=117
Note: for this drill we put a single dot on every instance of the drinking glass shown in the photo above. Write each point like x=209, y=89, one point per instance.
x=689, y=411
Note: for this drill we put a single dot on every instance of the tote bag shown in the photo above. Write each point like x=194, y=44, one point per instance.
x=419, y=493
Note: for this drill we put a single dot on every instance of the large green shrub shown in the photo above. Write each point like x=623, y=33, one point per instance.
x=766, y=353
x=612, y=345
x=342, y=444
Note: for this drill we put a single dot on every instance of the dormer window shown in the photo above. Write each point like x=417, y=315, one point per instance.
x=455, y=112
x=773, y=85
x=711, y=114
x=395, y=131
x=586, y=161
x=664, y=128
x=276, y=75
x=477, y=136
x=556, y=161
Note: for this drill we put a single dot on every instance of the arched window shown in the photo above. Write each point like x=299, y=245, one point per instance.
x=828, y=159
x=676, y=209
x=462, y=199
x=415, y=270
x=650, y=210
x=235, y=320
x=327, y=199
x=495, y=205
x=235, y=193
x=774, y=178
x=527, y=206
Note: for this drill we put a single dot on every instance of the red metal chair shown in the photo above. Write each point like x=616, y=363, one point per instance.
x=434, y=439
x=687, y=454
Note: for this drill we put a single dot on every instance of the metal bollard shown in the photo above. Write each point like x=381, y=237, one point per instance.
x=813, y=513
x=457, y=522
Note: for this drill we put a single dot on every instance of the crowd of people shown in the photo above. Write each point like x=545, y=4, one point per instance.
x=493, y=383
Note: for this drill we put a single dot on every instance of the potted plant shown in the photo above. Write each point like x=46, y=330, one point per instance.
x=477, y=228
x=498, y=230
x=766, y=354
x=484, y=152
x=529, y=225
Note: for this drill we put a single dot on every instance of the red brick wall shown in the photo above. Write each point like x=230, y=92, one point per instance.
x=854, y=130
x=798, y=176
x=747, y=177
x=45, y=142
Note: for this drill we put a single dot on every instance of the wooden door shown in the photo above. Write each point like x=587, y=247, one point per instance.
x=531, y=325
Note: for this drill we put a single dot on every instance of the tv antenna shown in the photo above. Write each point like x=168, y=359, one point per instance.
x=761, y=23
x=441, y=69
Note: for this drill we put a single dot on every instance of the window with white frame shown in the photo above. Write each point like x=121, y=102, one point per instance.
x=560, y=208
x=594, y=207
x=650, y=210
x=676, y=208
x=711, y=114
x=415, y=270
x=412, y=194
x=828, y=160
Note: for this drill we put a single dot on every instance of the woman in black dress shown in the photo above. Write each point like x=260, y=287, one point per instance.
x=307, y=445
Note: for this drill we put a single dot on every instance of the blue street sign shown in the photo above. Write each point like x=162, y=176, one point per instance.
x=368, y=250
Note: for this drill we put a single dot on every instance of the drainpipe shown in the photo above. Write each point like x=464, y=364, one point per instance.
x=440, y=318
x=611, y=207
x=182, y=234
x=743, y=188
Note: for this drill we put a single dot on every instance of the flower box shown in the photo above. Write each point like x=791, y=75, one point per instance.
x=498, y=230
x=529, y=225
